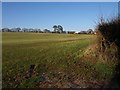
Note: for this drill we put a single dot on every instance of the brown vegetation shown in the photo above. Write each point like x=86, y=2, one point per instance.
x=109, y=45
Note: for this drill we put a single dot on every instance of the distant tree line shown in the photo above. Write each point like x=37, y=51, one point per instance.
x=56, y=29
x=22, y=30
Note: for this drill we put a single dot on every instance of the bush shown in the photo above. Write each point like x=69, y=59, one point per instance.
x=108, y=33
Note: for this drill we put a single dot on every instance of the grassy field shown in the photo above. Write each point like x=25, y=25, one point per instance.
x=58, y=61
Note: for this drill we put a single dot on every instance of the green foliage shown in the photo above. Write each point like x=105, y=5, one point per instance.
x=104, y=70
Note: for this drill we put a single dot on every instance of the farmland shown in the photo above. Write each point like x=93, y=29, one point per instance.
x=57, y=60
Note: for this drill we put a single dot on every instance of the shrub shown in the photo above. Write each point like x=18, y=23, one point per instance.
x=109, y=45
x=108, y=33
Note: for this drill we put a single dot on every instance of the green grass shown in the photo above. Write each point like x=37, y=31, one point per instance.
x=51, y=53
